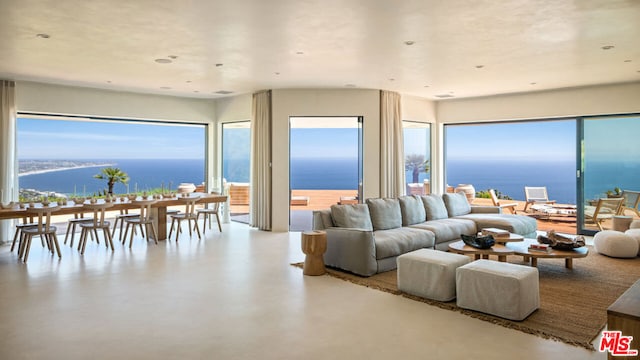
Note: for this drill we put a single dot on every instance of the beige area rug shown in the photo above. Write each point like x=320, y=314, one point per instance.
x=573, y=302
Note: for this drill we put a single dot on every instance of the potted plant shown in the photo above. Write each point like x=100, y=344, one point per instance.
x=615, y=193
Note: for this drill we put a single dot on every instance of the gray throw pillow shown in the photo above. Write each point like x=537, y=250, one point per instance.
x=434, y=207
x=457, y=204
x=412, y=210
x=385, y=213
x=351, y=216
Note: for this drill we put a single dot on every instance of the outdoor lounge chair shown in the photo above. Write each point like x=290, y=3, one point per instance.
x=496, y=202
x=631, y=200
x=536, y=195
x=606, y=208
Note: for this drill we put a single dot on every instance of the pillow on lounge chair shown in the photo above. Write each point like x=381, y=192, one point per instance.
x=434, y=206
x=456, y=204
x=351, y=216
x=385, y=213
x=412, y=210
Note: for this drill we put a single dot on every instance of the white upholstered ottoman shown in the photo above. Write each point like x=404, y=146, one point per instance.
x=507, y=290
x=429, y=273
x=615, y=244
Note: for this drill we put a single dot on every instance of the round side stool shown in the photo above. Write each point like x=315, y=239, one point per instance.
x=634, y=233
x=615, y=244
x=314, y=244
x=621, y=222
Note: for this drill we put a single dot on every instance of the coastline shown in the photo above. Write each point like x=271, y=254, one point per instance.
x=44, y=171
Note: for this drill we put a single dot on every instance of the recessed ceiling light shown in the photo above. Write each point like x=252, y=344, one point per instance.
x=627, y=61
x=608, y=47
x=350, y=85
x=108, y=81
x=300, y=53
x=172, y=57
x=277, y=73
x=196, y=91
x=188, y=81
x=409, y=42
x=444, y=96
x=219, y=64
x=532, y=83
x=163, y=61
x=43, y=36
x=165, y=87
x=426, y=86
x=479, y=66
x=224, y=92
x=392, y=79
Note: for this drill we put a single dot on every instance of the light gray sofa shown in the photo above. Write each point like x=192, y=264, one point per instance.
x=367, y=238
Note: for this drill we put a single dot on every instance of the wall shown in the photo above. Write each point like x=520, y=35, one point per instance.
x=593, y=100
x=418, y=109
x=347, y=102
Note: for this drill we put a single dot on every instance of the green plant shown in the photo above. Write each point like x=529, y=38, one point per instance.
x=416, y=163
x=615, y=192
x=484, y=194
x=113, y=176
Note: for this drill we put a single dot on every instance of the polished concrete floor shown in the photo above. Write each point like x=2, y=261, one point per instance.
x=229, y=296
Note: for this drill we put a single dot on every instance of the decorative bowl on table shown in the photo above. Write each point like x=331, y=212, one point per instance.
x=132, y=197
x=478, y=242
x=7, y=206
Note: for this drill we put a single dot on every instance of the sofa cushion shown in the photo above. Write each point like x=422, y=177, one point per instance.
x=399, y=241
x=457, y=204
x=434, y=206
x=412, y=210
x=351, y=216
x=448, y=229
x=385, y=213
x=516, y=224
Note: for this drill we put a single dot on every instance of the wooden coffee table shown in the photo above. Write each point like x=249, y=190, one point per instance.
x=459, y=247
x=521, y=248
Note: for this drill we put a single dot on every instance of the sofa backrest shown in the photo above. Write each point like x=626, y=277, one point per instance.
x=457, y=204
x=385, y=213
x=412, y=209
x=435, y=207
x=351, y=216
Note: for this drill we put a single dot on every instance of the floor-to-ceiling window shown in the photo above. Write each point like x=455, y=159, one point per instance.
x=61, y=155
x=417, y=157
x=236, y=159
x=325, y=165
x=610, y=164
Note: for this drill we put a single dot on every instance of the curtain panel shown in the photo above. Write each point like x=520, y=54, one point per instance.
x=392, y=175
x=8, y=153
x=260, y=200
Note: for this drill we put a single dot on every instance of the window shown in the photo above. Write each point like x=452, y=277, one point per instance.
x=62, y=155
x=236, y=165
x=417, y=157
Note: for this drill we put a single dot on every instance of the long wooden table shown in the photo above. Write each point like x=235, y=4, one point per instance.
x=160, y=206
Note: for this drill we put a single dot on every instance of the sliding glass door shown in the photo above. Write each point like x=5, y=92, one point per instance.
x=609, y=167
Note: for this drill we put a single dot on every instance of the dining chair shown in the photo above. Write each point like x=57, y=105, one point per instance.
x=207, y=214
x=121, y=218
x=72, y=223
x=144, y=218
x=43, y=229
x=189, y=215
x=27, y=221
x=97, y=223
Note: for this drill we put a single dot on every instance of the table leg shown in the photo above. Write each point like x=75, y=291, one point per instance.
x=534, y=262
x=476, y=256
x=502, y=258
x=568, y=263
x=485, y=256
x=161, y=226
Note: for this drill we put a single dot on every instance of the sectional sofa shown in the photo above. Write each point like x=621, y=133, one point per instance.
x=367, y=238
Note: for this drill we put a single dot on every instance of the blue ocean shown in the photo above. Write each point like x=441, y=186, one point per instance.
x=508, y=177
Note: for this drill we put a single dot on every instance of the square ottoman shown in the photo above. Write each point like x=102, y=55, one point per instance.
x=506, y=290
x=429, y=273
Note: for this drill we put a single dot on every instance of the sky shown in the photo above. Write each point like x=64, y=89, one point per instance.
x=86, y=140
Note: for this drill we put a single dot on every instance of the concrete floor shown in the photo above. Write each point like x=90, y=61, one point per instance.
x=229, y=296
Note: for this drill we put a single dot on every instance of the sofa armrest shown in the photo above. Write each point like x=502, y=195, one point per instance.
x=486, y=209
x=351, y=249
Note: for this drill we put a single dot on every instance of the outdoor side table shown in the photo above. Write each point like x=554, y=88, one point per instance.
x=314, y=244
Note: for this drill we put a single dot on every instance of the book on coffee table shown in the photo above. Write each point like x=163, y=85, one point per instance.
x=496, y=233
x=540, y=247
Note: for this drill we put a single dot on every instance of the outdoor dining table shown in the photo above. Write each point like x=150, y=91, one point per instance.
x=159, y=208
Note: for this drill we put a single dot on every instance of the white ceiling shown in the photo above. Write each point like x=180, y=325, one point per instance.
x=463, y=48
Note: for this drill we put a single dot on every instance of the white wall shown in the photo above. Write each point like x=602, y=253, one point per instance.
x=69, y=100
x=347, y=102
x=418, y=109
x=593, y=100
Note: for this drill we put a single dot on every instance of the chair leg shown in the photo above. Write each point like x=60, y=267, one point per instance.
x=108, y=239
x=173, y=220
x=218, y=220
x=153, y=232
x=197, y=230
x=27, y=248
x=15, y=237
x=133, y=227
x=54, y=240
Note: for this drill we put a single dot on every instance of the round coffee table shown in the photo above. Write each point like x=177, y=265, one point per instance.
x=522, y=248
x=459, y=247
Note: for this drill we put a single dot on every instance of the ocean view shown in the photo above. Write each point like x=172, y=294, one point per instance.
x=341, y=174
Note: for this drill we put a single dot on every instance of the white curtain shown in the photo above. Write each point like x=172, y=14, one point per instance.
x=260, y=214
x=392, y=176
x=8, y=153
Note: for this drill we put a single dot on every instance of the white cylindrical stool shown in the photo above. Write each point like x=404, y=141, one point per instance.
x=314, y=244
x=621, y=222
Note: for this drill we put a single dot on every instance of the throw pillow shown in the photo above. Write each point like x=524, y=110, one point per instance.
x=434, y=206
x=456, y=204
x=385, y=213
x=351, y=216
x=412, y=210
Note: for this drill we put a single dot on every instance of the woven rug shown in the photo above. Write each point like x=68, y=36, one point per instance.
x=573, y=302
